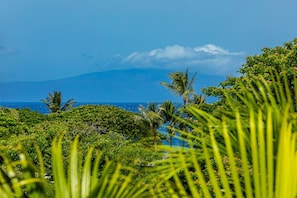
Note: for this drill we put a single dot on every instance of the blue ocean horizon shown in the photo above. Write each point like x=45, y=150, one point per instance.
x=42, y=108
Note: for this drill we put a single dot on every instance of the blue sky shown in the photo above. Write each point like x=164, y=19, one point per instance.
x=52, y=39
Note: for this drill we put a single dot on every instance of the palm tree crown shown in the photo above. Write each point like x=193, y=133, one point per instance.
x=181, y=84
x=168, y=112
x=151, y=117
x=197, y=100
x=54, y=102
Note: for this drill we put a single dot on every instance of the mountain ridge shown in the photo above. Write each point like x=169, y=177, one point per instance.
x=133, y=85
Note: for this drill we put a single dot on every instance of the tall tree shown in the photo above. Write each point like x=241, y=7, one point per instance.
x=54, y=102
x=151, y=117
x=168, y=112
x=181, y=85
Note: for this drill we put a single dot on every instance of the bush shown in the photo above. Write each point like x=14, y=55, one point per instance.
x=104, y=119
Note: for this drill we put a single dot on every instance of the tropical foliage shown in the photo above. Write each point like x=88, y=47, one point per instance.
x=248, y=153
x=281, y=60
x=168, y=111
x=54, y=102
x=114, y=132
x=104, y=119
x=83, y=178
x=151, y=118
x=244, y=147
x=181, y=84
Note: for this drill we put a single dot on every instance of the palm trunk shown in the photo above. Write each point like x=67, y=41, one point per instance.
x=155, y=138
x=185, y=103
x=170, y=140
x=184, y=143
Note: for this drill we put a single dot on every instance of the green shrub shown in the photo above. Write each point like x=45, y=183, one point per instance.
x=9, y=120
x=30, y=118
x=104, y=119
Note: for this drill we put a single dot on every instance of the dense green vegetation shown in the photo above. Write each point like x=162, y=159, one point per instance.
x=244, y=145
x=116, y=133
x=280, y=60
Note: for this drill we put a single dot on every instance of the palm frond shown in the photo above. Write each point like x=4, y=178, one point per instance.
x=25, y=182
x=84, y=180
x=249, y=152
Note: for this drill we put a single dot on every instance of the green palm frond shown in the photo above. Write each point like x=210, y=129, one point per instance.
x=197, y=100
x=151, y=117
x=249, y=152
x=215, y=172
x=88, y=177
x=22, y=178
x=168, y=111
x=83, y=179
x=181, y=84
x=68, y=105
x=54, y=102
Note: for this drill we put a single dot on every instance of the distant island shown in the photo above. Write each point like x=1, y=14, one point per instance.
x=133, y=85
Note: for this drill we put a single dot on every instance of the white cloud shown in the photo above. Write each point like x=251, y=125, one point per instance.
x=213, y=49
x=170, y=52
x=209, y=59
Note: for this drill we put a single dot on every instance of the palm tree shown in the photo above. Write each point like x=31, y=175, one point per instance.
x=181, y=84
x=151, y=117
x=168, y=113
x=197, y=100
x=54, y=102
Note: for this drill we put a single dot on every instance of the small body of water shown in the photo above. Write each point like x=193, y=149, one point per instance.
x=42, y=108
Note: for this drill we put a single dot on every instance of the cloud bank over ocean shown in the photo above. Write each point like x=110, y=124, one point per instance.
x=206, y=59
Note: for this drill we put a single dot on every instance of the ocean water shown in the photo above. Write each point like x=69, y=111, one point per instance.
x=42, y=108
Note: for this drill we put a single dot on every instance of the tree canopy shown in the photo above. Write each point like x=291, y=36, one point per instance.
x=181, y=84
x=280, y=60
